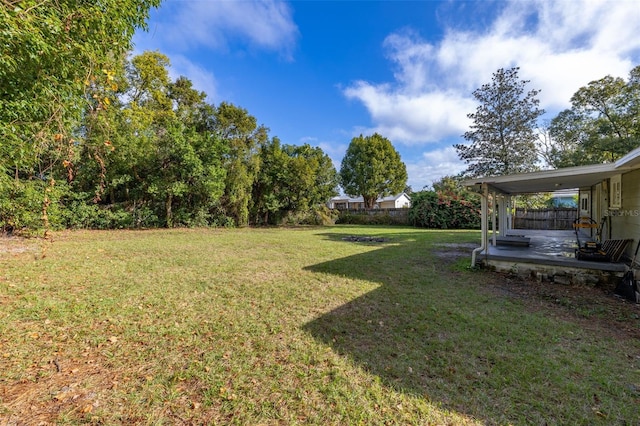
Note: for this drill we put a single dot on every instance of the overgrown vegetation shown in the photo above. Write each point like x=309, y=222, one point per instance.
x=299, y=326
x=92, y=138
x=375, y=217
x=448, y=205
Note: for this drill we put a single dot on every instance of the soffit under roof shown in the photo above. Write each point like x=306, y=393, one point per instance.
x=547, y=180
x=554, y=180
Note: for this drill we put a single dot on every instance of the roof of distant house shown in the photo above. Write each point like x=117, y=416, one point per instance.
x=360, y=199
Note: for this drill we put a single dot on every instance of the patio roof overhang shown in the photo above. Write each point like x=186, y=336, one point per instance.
x=545, y=180
x=537, y=182
x=629, y=161
x=554, y=180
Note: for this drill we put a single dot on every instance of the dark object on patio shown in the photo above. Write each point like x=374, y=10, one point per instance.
x=615, y=248
x=628, y=287
x=588, y=247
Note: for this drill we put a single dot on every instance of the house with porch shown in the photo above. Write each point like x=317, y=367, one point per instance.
x=608, y=195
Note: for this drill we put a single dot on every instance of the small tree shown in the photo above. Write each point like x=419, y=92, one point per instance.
x=372, y=168
x=502, y=136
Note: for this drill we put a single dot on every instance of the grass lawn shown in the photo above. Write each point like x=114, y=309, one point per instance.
x=299, y=326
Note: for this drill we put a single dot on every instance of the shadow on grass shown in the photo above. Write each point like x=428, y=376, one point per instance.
x=430, y=331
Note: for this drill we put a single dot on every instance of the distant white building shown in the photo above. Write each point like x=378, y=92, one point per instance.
x=344, y=202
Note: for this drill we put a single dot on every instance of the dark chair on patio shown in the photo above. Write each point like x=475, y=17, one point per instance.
x=591, y=247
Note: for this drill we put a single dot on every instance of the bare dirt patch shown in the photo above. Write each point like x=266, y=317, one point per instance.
x=594, y=307
x=51, y=388
x=17, y=245
x=451, y=252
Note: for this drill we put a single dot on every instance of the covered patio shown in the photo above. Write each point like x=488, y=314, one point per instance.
x=544, y=254
x=549, y=256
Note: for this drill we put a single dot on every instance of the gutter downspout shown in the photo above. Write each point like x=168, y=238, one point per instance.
x=483, y=224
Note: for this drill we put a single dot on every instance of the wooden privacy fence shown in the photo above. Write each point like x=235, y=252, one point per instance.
x=554, y=218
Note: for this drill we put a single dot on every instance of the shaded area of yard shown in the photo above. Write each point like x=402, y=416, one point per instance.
x=494, y=347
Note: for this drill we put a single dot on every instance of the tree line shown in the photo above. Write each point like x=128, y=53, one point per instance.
x=148, y=151
x=93, y=138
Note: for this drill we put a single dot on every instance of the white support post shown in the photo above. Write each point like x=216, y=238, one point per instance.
x=484, y=218
x=502, y=215
x=508, y=201
x=493, y=217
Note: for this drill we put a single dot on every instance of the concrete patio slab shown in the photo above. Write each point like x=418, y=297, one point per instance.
x=550, y=255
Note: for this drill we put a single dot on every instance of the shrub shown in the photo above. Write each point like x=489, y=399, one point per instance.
x=370, y=217
x=23, y=204
x=320, y=215
x=441, y=210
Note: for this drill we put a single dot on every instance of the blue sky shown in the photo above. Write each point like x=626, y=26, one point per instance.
x=322, y=72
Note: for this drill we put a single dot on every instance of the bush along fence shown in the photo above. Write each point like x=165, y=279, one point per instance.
x=440, y=210
x=553, y=218
x=374, y=217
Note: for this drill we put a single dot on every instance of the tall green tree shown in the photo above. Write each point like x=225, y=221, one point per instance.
x=270, y=183
x=502, y=138
x=372, y=168
x=163, y=160
x=140, y=131
x=53, y=52
x=206, y=187
x=602, y=125
x=292, y=179
x=243, y=137
x=313, y=178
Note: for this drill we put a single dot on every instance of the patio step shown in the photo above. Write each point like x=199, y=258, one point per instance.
x=513, y=240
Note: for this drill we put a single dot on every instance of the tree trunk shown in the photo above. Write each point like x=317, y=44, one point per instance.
x=369, y=201
x=168, y=210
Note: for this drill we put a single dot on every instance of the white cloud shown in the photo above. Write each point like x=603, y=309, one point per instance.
x=414, y=59
x=262, y=24
x=412, y=118
x=432, y=166
x=559, y=46
x=202, y=79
